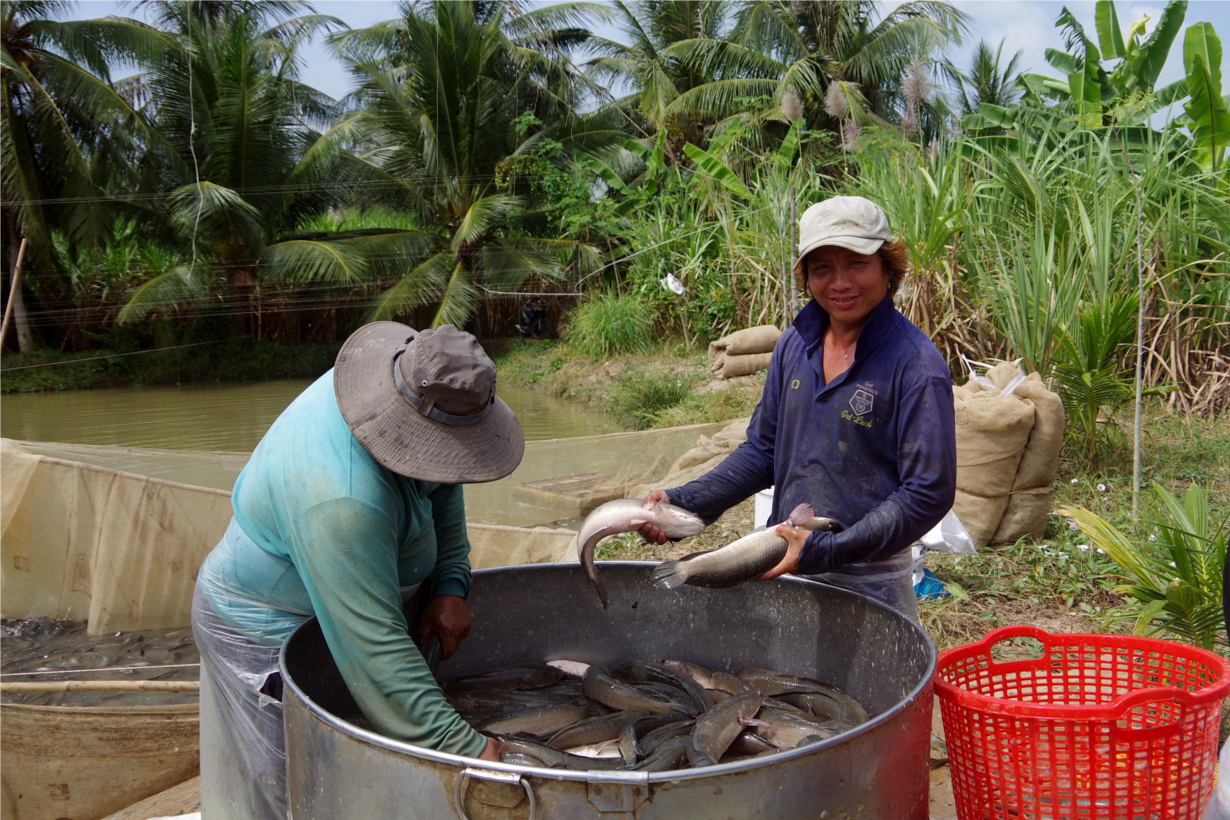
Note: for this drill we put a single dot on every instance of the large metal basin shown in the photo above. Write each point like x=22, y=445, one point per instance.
x=547, y=612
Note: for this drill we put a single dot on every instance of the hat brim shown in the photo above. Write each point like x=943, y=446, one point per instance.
x=401, y=439
x=857, y=244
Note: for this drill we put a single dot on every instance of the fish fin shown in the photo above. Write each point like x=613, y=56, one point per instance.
x=703, y=759
x=801, y=515
x=695, y=555
x=667, y=576
x=601, y=591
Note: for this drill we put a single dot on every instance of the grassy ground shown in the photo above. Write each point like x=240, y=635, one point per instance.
x=224, y=361
x=668, y=388
x=1060, y=584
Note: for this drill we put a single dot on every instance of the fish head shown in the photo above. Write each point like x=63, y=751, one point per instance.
x=677, y=522
x=801, y=515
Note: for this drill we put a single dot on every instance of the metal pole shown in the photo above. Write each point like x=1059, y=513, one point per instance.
x=794, y=252
x=1140, y=355
x=13, y=291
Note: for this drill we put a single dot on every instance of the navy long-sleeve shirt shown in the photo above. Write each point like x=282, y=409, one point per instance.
x=874, y=449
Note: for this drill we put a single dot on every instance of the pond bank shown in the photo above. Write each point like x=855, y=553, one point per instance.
x=228, y=360
x=670, y=387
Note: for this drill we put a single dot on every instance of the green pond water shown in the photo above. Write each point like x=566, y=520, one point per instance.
x=226, y=417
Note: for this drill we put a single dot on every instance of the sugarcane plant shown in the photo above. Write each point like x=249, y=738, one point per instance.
x=1173, y=574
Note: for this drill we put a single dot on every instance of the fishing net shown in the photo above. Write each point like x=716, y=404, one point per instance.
x=114, y=535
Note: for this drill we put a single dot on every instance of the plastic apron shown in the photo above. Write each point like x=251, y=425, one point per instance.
x=890, y=581
x=243, y=738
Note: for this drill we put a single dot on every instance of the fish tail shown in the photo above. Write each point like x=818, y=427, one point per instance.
x=601, y=591
x=667, y=575
x=801, y=514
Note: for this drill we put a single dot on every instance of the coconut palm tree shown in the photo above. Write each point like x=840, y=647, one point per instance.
x=656, y=78
x=810, y=47
x=230, y=163
x=440, y=111
x=62, y=132
x=986, y=81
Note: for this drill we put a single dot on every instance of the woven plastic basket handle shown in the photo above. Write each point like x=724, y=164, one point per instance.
x=1174, y=723
x=1008, y=633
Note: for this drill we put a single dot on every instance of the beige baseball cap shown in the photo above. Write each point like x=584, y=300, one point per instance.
x=849, y=222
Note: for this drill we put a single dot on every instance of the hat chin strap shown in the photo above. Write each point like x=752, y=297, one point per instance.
x=419, y=403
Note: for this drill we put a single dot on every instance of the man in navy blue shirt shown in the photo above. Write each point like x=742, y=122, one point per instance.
x=856, y=417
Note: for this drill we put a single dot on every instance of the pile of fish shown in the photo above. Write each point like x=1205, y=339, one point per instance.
x=648, y=716
x=47, y=649
x=737, y=562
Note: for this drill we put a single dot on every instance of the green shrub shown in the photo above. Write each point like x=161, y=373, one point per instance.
x=610, y=324
x=641, y=397
x=1174, y=577
x=736, y=401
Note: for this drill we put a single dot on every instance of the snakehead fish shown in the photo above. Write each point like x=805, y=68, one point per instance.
x=625, y=515
x=739, y=561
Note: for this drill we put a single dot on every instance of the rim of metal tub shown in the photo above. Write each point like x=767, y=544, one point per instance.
x=617, y=777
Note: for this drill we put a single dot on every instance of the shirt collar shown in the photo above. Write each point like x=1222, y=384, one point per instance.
x=813, y=319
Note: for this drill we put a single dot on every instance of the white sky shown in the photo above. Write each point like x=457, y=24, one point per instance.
x=1028, y=25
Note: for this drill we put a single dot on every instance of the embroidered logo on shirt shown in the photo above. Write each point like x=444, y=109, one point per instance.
x=861, y=402
x=794, y=385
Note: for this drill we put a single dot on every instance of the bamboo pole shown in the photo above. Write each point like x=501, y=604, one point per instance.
x=38, y=687
x=14, y=290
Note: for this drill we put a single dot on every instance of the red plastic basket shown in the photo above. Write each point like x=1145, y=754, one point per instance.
x=1099, y=726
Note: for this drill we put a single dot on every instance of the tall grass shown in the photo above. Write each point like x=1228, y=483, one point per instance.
x=611, y=324
x=1018, y=247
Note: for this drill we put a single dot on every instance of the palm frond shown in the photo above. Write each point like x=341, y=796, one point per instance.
x=182, y=285
x=303, y=260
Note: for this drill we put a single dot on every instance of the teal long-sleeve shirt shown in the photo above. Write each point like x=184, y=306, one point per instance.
x=327, y=530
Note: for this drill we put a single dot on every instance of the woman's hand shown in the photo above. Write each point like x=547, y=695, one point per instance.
x=447, y=616
x=795, y=538
x=493, y=750
x=651, y=532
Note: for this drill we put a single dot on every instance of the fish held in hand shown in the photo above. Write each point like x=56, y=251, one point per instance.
x=626, y=515
x=739, y=561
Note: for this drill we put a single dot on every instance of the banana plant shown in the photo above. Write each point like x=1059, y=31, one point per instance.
x=1207, y=112
x=1125, y=94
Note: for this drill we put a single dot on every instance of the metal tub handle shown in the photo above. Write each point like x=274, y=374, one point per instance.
x=512, y=778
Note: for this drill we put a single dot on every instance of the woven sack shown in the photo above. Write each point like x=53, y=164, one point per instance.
x=991, y=437
x=1040, y=461
x=760, y=339
x=979, y=515
x=1025, y=514
x=744, y=365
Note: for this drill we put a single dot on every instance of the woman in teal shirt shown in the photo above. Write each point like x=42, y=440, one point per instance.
x=350, y=501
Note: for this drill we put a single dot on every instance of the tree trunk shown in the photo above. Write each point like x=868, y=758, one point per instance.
x=21, y=322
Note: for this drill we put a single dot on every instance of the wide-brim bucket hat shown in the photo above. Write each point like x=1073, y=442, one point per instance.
x=423, y=404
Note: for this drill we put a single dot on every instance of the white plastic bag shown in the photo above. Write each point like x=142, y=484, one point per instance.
x=1219, y=806
x=949, y=535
